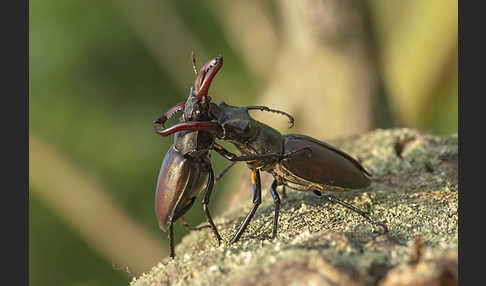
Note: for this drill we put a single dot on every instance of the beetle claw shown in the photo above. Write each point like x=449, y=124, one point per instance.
x=157, y=130
x=385, y=228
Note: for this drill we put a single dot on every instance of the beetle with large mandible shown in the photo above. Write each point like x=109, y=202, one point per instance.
x=186, y=169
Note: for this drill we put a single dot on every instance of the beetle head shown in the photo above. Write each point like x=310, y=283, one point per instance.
x=236, y=123
x=196, y=107
x=197, y=104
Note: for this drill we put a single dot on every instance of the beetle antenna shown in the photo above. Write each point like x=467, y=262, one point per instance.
x=194, y=62
x=264, y=108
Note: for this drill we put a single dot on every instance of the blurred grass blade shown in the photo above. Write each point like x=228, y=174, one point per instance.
x=256, y=40
x=165, y=35
x=419, y=53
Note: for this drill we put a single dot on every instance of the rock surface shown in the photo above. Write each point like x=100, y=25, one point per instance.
x=414, y=191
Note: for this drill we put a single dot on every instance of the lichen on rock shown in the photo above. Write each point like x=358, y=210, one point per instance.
x=414, y=191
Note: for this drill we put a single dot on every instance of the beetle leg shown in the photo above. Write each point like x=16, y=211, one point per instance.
x=171, y=240
x=227, y=154
x=268, y=156
x=276, y=201
x=235, y=158
x=292, y=153
x=353, y=208
x=205, y=201
x=284, y=193
x=190, y=228
x=225, y=169
x=257, y=199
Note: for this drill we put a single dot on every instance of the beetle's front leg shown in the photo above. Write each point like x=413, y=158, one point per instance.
x=268, y=156
x=205, y=202
x=257, y=199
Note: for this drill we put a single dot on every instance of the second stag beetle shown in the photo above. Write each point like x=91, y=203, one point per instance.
x=323, y=168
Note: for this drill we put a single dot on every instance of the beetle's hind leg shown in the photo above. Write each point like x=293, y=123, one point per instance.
x=353, y=208
x=191, y=228
x=276, y=202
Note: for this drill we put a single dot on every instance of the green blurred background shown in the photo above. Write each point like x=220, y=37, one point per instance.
x=100, y=72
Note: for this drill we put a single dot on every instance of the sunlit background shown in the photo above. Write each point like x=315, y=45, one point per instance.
x=101, y=71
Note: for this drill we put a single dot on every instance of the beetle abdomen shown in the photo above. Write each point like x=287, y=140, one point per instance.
x=172, y=181
x=325, y=165
x=179, y=182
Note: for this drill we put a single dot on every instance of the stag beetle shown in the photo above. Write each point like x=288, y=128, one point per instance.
x=186, y=169
x=324, y=168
